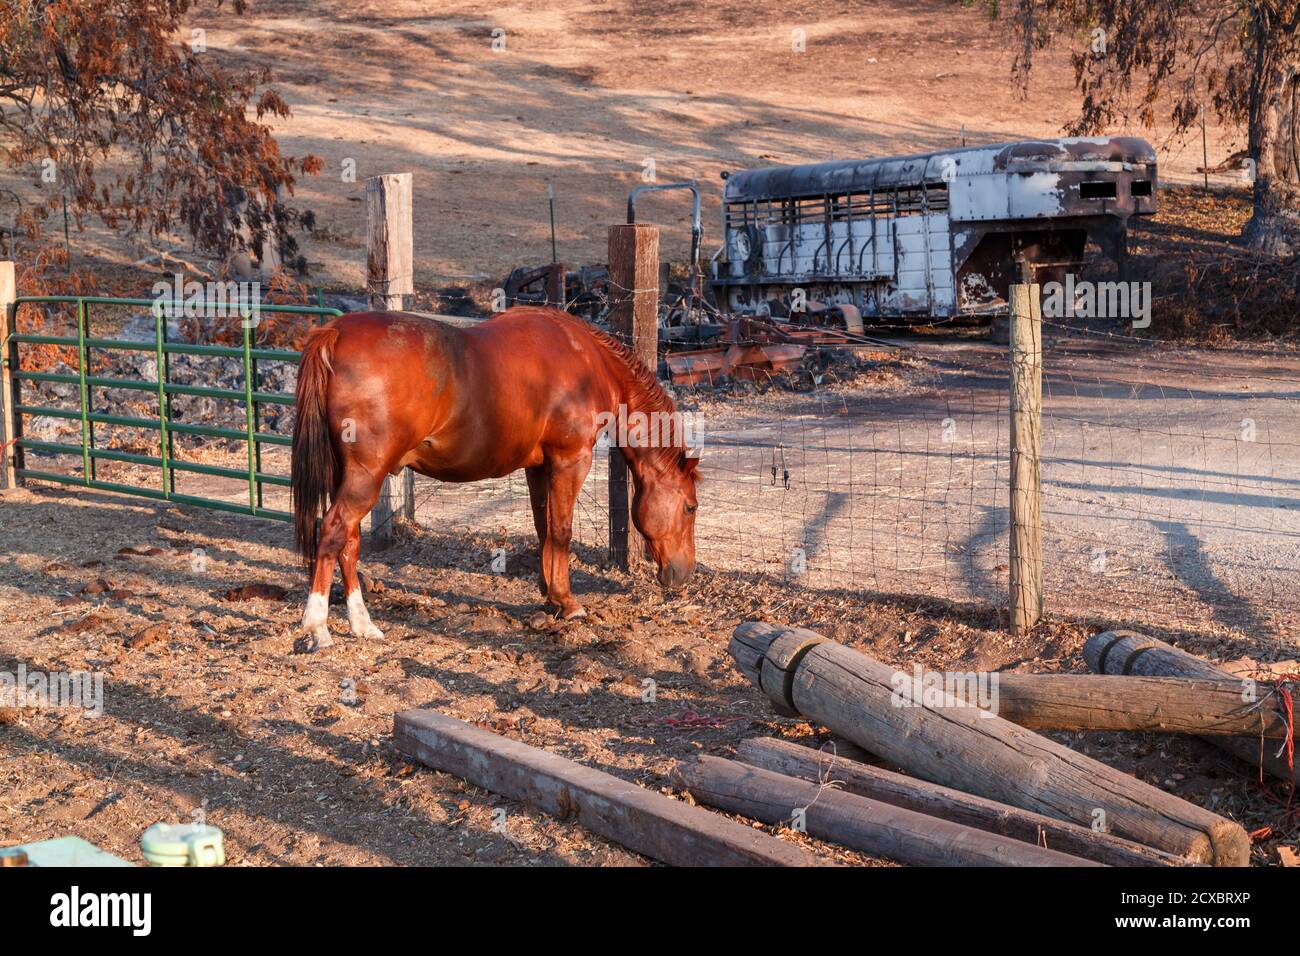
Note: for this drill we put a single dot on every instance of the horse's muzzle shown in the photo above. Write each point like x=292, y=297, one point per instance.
x=676, y=573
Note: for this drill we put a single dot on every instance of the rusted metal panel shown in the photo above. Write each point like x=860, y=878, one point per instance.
x=1075, y=154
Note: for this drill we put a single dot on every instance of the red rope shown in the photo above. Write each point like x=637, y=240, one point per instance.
x=1290, y=811
x=1288, y=705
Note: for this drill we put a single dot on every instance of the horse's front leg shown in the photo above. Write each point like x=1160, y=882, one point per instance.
x=564, y=481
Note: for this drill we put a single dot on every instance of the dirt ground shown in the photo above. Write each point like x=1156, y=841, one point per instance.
x=207, y=710
x=586, y=93
x=291, y=755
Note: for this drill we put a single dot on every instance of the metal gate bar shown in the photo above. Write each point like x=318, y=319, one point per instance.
x=167, y=463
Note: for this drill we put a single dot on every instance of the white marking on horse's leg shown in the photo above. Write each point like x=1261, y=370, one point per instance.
x=315, y=618
x=359, y=618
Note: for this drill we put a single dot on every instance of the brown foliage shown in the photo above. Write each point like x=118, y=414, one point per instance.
x=1133, y=57
x=1219, y=298
x=85, y=84
x=273, y=331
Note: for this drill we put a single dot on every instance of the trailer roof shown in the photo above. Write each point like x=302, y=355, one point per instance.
x=861, y=175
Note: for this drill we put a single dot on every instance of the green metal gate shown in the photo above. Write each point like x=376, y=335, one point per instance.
x=166, y=461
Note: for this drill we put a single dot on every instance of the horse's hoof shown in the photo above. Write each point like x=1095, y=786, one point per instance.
x=574, y=613
x=370, y=633
x=311, y=643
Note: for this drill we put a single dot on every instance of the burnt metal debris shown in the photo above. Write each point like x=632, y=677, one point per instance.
x=928, y=237
x=908, y=240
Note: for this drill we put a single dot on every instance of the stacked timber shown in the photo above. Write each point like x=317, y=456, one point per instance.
x=955, y=744
x=1255, y=716
x=643, y=821
x=980, y=786
x=899, y=790
x=855, y=821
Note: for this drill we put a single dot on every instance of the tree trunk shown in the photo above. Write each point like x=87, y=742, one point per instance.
x=1274, y=227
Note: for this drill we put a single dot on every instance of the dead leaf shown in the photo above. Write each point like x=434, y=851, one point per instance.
x=138, y=552
x=257, y=591
x=150, y=635
x=91, y=622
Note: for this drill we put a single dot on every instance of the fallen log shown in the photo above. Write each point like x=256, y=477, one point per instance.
x=859, y=823
x=1128, y=652
x=1174, y=705
x=648, y=823
x=931, y=799
x=879, y=708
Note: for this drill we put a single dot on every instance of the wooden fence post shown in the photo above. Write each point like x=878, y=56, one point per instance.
x=1026, y=561
x=8, y=399
x=390, y=277
x=634, y=320
x=389, y=244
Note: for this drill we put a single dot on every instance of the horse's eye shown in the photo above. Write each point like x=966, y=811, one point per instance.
x=690, y=509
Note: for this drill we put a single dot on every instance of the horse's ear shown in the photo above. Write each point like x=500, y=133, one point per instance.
x=689, y=465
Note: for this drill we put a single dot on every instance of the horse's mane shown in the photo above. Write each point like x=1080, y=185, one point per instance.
x=646, y=391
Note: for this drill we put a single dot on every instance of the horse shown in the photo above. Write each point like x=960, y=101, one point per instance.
x=529, y=388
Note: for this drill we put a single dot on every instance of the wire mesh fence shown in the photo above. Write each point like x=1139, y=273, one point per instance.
x=1169, y=482
x=1170, y=474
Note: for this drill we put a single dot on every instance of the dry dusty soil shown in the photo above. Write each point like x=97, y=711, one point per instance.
x=207, y=710
x=586, y=94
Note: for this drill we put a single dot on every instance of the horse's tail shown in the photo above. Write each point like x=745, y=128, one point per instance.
x=316, y=466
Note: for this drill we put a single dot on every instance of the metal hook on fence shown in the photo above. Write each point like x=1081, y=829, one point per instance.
x=785, y=471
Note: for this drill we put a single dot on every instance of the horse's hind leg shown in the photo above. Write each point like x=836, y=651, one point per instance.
x=537, y=498
x=340, y=536
x=358, y=617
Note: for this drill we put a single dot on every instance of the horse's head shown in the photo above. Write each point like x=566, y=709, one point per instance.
x=664, y=512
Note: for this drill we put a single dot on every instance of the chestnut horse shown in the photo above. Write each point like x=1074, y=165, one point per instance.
x=531, y=388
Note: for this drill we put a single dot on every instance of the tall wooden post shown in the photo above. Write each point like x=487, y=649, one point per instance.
x=634, y=319
x=390, y=278
x=390, y=273
x=555, y=285
x=1026, y=562
x=8, y=398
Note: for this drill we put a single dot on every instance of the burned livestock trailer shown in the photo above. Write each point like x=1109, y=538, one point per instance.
x=915, y=239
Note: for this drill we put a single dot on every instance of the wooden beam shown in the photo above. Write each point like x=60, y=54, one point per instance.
x=9, y=419
x=899, y=790
x=633, y=319
x=1171, y=705
x=939, y=738
x=1128, y=652
x=1026, y=560
x=646, y=822
x=854, y=821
